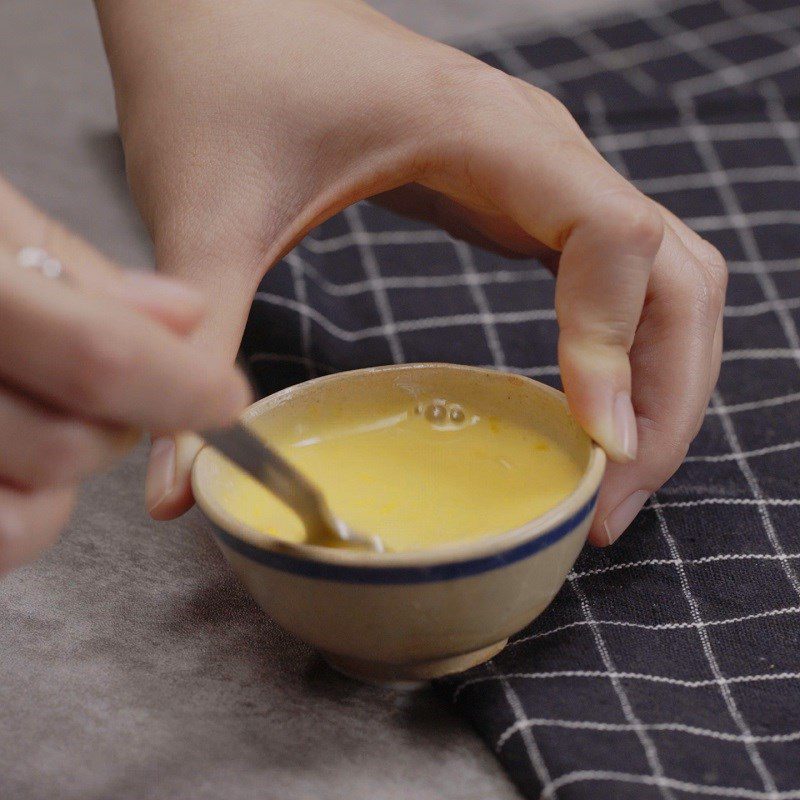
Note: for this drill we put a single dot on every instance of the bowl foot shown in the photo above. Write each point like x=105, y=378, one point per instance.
x=413, y=674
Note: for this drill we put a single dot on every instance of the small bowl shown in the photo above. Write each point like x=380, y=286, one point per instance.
x=406, y=617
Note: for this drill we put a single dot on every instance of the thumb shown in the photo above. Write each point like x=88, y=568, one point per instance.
x=228, y=281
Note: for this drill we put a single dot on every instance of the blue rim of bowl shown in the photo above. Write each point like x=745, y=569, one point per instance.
x=429, y=573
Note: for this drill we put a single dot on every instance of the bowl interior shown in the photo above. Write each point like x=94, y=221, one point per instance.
x=303, y=407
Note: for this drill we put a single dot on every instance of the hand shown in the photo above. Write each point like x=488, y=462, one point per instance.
x=83, y=367
x=247, y=123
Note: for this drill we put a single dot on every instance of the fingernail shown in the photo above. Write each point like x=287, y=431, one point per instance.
x=160, y=472
x=617, y=522
x=625, y=425
x=144, y=285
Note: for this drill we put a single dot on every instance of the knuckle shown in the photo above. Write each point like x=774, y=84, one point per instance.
x=704, y=293
x=579, y=331
x=478, y=98
x=634, y=218
x=715, y=271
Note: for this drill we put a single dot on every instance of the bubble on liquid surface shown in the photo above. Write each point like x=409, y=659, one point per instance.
x=441, y=413
x=457, y=413
x=436, y=412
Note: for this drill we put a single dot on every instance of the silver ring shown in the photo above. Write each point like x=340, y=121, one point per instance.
x=37, y=258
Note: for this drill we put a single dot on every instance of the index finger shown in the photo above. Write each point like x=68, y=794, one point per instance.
x=101, y=360
x=544, y=173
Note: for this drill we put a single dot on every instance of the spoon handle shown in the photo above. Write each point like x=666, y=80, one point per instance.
x=268, y=467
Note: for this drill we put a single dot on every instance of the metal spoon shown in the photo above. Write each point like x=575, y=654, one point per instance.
x=272, y=470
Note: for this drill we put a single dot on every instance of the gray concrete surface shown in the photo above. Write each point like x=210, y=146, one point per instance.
x=131, y=664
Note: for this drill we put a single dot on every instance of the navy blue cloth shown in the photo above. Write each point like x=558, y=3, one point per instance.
x=669, y=665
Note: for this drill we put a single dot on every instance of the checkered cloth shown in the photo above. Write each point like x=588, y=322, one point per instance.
x=669, y=665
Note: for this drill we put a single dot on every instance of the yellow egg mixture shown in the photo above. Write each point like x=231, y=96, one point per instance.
x=423, y=476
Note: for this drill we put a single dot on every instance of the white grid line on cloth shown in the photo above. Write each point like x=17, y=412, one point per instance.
x=404, y=326
x=753, y=354
x=681, y=182
x=758, y=495
x=509, y=57
x=762, y=354
x=731, y=501
x=699, y=49
x=658, y=626
x=494, y=277
x=704, y=789
x=648, y=745
x=760, y=451
x=374, y=238
x=676, y=134
x=601, y=674
x=487, y=317
x=735, y=712
x=610, y=59
x=763, y=24
x=658, y=562
x=719, y=32
x=301, y=293
x=765, y=306
x=769, y=265
x=754, y=405
x=739, y=220
x=764, y=67
x=535, y=757
x=748, y=242
x=536, y=372
x=612, y=727
x=742, y=223
x=787, y=129
x=372, y=270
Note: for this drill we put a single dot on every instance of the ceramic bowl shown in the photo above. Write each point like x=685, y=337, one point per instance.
x=410, y=616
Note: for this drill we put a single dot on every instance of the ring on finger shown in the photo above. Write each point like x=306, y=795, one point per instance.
x=39, y=260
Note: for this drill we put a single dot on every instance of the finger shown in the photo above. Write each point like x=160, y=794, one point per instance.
x=717, y=271
x=482, y=227
x=670, y=356
x=556, y=187
x=716, y=354
x=31, y=522
x=229, y=277
x=106, y=362
x=168, y=492
x=42, y=448
x=174, y=304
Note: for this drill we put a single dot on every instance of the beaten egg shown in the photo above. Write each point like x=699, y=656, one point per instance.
x=418, y=475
